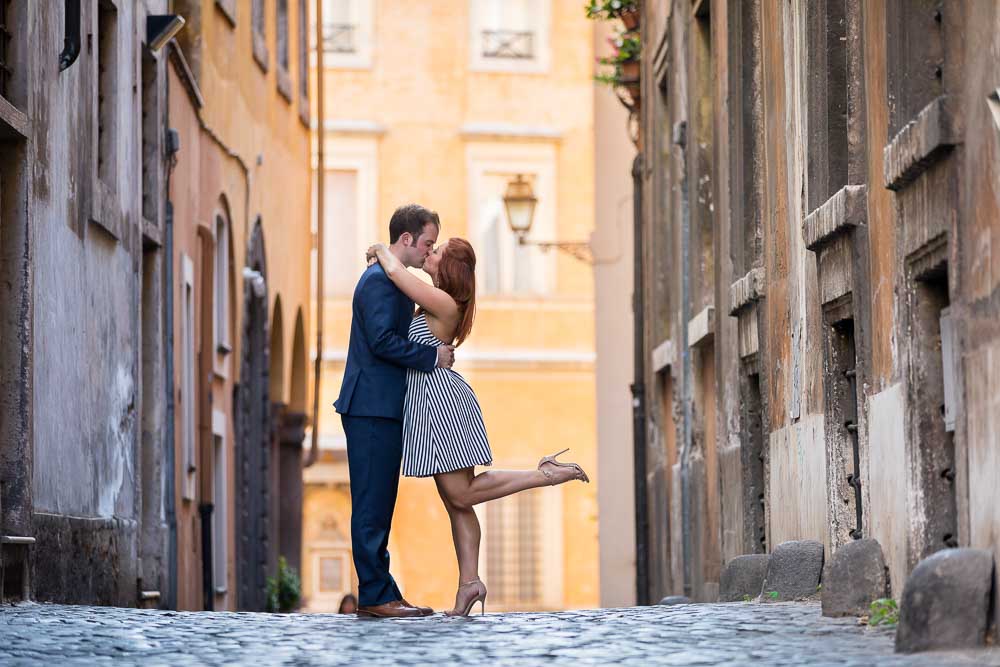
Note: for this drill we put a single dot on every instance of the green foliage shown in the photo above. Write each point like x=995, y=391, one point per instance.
x=609, y=9
x=773, y=595
x=626, y=47
x=746, y=598
x=284, y=591
x=884, y=612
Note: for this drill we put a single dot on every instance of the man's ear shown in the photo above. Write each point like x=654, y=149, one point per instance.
x=407, y=239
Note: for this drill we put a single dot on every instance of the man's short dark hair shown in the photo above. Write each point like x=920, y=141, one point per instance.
x=411, y=218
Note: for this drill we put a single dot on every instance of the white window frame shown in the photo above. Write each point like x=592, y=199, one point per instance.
x=538, y=64
x=189, y=398
x=553, y=547
x=360, y=155
x=363, y=12
x=539, y=162
x=220, y=500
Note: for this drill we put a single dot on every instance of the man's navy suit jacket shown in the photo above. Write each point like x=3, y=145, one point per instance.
x=379, y=351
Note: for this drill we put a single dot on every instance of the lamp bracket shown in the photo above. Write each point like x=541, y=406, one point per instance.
x=581, y=250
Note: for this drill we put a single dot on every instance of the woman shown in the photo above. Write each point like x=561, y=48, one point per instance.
x=443, y=431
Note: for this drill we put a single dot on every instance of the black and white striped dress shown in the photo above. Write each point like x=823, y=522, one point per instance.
x=443, y=427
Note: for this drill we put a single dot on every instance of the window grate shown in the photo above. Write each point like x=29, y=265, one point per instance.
x=339, y=38
x=512, y=44
x=5, y=38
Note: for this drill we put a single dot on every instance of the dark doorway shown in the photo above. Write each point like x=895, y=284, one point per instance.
x=254, y=435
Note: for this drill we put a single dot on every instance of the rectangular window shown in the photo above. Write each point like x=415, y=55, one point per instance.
x=522, y=558
x=348, y=33
x=514, y=549
x=220, y=500
x=107, y=102
x=509, y=35
x=303, y=48
x=188, y=396
x=915, y=57
x=828, y=109
x=6, y=35
x=221, y=285
x=150, y=139
x=331, y=574
x=258, y=34
x=342, y=262
x=507, y=267
x=284, y=79
x=747, y=145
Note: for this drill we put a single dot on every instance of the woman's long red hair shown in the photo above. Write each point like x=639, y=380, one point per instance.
x=457, y=277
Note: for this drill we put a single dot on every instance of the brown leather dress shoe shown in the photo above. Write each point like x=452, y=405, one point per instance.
x=425, y=611
x=394, y=609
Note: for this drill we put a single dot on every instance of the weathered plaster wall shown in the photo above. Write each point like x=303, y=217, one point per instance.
x=87, y=286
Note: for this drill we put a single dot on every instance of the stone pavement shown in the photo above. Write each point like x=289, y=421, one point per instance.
x=705, y=634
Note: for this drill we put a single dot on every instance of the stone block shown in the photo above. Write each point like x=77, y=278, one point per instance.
x=671, y=600
x=743, y=576
x=794, y=571
x=946, y=602
x=853, y=578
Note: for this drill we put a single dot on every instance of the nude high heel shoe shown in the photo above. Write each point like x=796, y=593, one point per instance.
x=478, y=594
x=581, y=475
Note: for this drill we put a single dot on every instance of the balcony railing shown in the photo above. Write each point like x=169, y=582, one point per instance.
x=513, y=44
x=339, y=38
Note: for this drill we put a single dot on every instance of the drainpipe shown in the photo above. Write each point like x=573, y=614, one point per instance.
x=168, y=440
x=639, y=395
x=313, y=455
x=680, y=140
x=71, y=40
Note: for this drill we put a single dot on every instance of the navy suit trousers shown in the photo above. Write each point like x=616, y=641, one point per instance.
x=374, y=453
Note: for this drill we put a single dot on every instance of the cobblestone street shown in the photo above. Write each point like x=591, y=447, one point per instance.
x=719, y=634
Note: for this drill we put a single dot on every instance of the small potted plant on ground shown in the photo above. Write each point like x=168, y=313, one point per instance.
x=626, y=10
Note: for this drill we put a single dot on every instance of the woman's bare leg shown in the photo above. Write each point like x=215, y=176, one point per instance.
x=464, y=490
x=465, y=532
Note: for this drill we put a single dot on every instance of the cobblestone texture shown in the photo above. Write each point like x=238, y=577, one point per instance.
x=703, y=634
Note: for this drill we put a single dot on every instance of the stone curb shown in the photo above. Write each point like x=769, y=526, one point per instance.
x=793, y=571
x=743, y=577
x=946, y=602
x=854, y=578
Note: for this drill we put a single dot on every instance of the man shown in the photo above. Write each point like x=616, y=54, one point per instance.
x=371, y=407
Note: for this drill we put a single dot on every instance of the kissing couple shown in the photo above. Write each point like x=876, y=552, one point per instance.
x=401, y=403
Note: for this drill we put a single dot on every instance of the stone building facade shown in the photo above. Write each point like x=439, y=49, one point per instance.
x=819, y=293
x=444, y=103
x=141, y=396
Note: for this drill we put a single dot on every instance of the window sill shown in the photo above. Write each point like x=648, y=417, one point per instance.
x=228, y=9
x=284, y=84
x=106, y=209
x=304, y=114
x=260, y=51
x=13, y=123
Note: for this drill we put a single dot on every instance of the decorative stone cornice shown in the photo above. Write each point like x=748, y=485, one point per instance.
x=839, y=214
x=920, y=143
x=747, y=290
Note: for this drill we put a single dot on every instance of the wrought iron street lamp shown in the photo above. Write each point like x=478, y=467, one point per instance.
x=519, y=201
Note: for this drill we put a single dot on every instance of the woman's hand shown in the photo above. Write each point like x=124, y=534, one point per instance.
x=371, y=255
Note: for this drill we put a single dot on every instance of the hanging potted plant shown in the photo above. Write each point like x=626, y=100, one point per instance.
x=626, y=10
x=624, y=62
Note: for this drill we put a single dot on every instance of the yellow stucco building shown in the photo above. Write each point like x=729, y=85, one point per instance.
x=443, y=103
